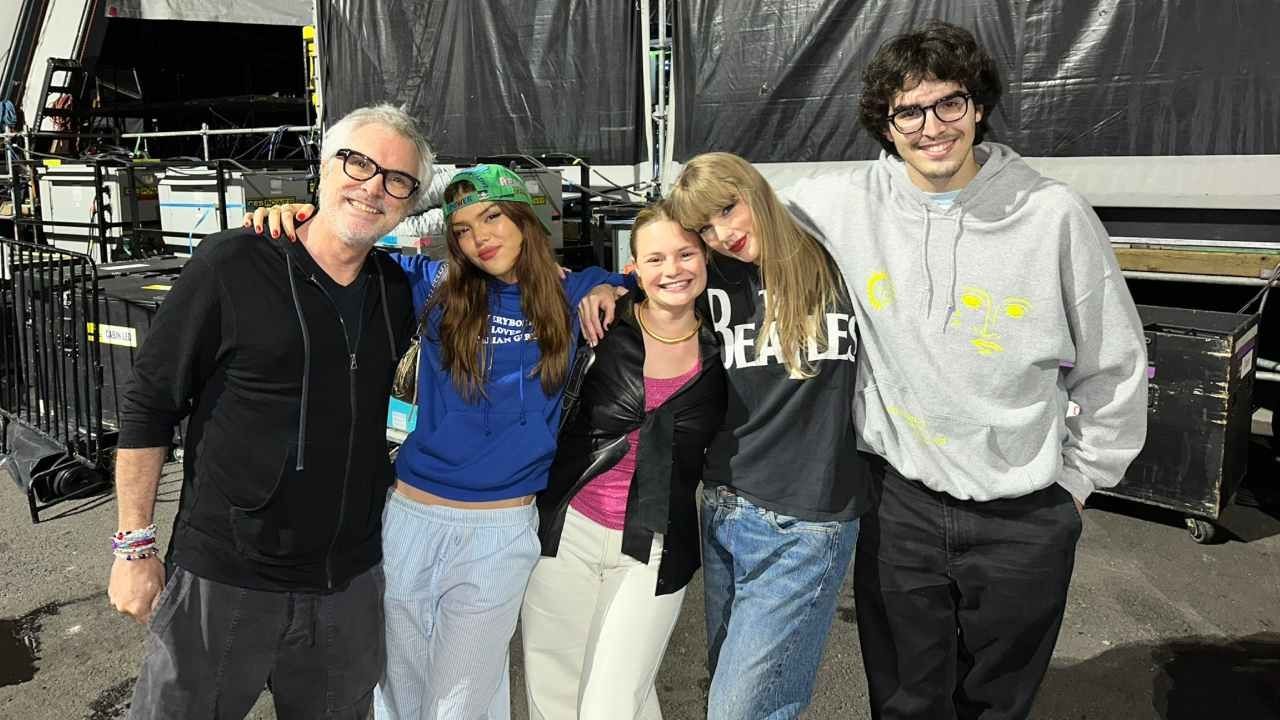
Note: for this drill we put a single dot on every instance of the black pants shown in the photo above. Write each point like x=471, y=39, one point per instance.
x=214, y=647
x=959, y=602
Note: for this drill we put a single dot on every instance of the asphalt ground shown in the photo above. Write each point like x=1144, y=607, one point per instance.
x=1156, y=627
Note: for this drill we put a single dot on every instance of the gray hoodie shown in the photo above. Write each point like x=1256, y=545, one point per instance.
x=983, y=326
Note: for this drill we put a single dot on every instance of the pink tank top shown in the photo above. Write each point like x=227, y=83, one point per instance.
x=604, y=497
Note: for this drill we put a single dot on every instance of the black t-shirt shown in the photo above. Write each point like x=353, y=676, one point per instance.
x=787, y=444
x=350, y=301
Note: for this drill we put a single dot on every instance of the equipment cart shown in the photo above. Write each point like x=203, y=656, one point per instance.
x=1201, y=370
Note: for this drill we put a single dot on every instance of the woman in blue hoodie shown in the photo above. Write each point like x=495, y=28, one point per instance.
x=460, y=531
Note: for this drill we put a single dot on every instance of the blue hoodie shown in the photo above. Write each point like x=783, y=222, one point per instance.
x=501, y=445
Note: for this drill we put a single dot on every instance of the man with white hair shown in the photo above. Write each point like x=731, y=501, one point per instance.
x=280, y=355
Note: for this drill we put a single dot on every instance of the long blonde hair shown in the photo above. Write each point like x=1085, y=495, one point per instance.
x=464, y=296
x=799, y=280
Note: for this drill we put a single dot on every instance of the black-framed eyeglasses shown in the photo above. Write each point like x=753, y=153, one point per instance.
x=910, y=120
x=359, y=166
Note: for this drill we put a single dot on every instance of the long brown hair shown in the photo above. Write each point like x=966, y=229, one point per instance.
x=464, y=296
x=799, y=280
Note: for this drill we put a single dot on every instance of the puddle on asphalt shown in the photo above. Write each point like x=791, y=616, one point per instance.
x=113, y=702
x=20, y=645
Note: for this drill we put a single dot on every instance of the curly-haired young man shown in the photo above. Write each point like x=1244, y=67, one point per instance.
x=1003, y=380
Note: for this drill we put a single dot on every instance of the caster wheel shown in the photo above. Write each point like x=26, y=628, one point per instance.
x=1202, y=531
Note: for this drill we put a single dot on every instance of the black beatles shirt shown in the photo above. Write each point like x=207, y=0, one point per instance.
x=787, y=444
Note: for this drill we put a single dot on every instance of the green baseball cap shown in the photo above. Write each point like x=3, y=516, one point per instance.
x=492, y=183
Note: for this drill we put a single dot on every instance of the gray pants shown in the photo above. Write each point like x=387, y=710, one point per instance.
x=214, y=647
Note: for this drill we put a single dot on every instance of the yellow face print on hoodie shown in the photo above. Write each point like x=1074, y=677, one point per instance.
x=980, y=315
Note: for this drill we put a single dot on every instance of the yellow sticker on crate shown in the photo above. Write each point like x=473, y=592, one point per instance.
x=114, y=335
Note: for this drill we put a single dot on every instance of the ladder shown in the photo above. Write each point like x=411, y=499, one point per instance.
x=71, y=86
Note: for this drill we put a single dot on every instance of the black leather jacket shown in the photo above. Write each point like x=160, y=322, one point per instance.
x=669, y=461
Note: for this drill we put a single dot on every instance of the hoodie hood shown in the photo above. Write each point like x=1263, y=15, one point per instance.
x=996, y=191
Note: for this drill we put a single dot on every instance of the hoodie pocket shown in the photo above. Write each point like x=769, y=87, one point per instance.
x=293, y=523
x=1017, y=448
x=485, y=450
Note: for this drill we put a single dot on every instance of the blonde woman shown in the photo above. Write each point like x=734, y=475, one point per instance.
x=784, y=484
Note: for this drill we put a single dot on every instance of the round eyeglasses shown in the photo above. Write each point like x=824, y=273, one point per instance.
x=910, y=120
x=359, y=166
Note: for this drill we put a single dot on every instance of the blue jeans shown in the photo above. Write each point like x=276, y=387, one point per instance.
x=771, y=587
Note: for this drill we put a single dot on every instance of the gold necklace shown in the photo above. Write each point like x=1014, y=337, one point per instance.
x=669, y=341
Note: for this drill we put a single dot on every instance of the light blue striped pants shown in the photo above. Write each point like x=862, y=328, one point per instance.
x=455, y=580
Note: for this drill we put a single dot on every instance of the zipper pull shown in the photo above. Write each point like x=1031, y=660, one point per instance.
x=353, y=361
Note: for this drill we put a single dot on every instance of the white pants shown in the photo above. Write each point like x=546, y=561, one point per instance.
x=593, y=630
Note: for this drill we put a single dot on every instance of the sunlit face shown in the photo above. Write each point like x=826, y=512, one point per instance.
x=361, y=212
x=489, y=239
x=939, y=156
x=671, y=264
x=731, y=231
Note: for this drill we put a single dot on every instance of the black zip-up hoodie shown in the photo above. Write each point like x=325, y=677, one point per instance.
x=285, y=467
x=669, y=460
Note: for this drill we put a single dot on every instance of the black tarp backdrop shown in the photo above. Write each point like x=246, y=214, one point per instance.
x=778, y=80
x=492, y=76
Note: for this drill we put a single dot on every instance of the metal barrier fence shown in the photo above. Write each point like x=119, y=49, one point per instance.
x=52, y=436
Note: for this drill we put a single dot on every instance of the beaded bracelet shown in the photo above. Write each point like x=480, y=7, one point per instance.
x=135, y=544
x=141, y=554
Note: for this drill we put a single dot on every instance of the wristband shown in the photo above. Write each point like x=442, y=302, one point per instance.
x=135, y=544
x=141, y=554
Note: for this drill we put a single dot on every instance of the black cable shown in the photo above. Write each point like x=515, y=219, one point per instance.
x=1263, y=293
x=579, y=161
x=252, y=148
x=277, y=136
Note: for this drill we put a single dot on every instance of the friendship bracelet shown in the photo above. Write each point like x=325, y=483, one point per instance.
x=125, y=535
x=136, y=552
x=140, y=554
x=129, y=543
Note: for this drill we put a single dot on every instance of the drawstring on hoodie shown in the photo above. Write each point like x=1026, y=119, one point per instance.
x=386, y=314
x=306, y=361
x=927, y=292
x=955, y=258
x=494, y=300
x=522, y=411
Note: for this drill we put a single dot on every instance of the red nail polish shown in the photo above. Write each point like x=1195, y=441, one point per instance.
x=275, y=233
x=302, y=216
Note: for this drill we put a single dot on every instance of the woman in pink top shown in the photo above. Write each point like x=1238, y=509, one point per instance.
x=619, y=527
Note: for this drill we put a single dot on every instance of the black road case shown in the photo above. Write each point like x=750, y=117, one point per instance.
x=126, y=307
x=1201, y=369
